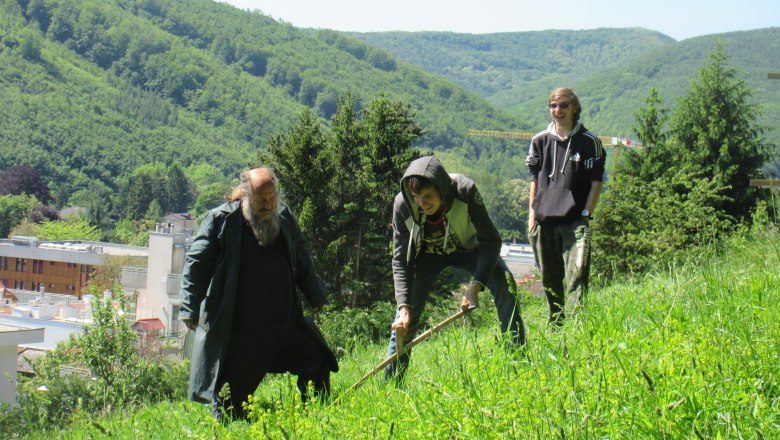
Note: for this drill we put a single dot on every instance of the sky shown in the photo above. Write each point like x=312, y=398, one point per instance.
x=679, y=19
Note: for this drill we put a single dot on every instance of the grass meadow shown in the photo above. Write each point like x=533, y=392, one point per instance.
x=689, y=351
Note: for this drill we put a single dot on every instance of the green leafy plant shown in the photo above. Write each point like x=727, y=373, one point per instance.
x=97, y=372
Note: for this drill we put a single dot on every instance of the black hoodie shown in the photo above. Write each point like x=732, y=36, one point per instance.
x=563, y=170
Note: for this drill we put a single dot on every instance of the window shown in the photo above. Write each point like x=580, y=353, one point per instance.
x=37, y=266
x=21, y=264
x=177, y=326
x=18, y=284
x=71, y=287
x=36, y=286
x=4, y=263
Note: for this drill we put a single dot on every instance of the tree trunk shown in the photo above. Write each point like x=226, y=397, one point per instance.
x=357, y=263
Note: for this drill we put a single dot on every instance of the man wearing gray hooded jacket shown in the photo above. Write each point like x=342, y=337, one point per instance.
x=440, y=220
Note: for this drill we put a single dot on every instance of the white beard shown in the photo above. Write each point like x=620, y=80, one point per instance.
x=265, y=230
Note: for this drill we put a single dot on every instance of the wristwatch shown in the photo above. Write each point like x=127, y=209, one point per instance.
x=586, y=214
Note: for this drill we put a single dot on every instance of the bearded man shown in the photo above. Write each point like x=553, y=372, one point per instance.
x=239, y=294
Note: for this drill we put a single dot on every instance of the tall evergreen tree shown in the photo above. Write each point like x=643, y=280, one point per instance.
x=715, y=126
x=683, y=189
x=302, y=169
x=655, y=156
x=148, y=183
x=388, y=130
x=343, y=182
x=181, y=193
x=651, y=119
x=345, y=213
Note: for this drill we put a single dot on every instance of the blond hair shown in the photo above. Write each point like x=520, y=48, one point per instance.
x=565, y=92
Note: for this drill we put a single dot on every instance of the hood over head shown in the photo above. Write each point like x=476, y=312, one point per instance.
x=431, y=169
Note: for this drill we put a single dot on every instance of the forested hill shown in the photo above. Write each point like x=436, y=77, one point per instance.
x=611, y=69
x=91, y=89
x=494, y=65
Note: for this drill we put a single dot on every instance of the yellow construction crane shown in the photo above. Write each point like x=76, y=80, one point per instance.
x=616, y=142
x=608, y=140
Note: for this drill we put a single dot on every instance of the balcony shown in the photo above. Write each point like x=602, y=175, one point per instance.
x=134, y=277
x=172, y=286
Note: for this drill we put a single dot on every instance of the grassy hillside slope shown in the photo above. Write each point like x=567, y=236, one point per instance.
x=688, y=353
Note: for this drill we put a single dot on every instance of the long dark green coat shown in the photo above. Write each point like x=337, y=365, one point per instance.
x=208, y=289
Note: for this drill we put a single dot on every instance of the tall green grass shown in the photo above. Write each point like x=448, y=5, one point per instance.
x=690, y=352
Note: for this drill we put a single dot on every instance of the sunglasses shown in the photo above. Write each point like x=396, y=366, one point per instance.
x=561, y=105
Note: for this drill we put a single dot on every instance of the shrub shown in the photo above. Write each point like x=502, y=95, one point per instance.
x=114, y=376
x=348, y=328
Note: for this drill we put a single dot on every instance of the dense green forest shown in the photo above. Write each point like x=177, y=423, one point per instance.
x=91, y=90
x=611, y=69
x=135, y=108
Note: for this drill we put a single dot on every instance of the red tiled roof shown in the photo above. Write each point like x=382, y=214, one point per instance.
x=149, y=324
x=7, y=293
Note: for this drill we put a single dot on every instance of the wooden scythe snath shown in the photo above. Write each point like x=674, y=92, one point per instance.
x=401, y=347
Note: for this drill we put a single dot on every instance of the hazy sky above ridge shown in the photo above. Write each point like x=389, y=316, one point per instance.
x=679, y=19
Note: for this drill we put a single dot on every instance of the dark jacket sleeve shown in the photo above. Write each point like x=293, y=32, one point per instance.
x=306, y=277
x=401, y=267
x=199, y=265
x=534, y=158
x=598, y=161
x=487, y=234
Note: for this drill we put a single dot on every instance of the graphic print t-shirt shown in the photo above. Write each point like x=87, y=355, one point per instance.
x=434, y=232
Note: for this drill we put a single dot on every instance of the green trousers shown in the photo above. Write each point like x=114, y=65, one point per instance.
x=562, y=254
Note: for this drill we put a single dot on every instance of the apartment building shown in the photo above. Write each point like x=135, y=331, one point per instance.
x=27, y=263
x=159, y=282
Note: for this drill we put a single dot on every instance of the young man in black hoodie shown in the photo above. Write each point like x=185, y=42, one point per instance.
x=566, y=162
x=440, y=220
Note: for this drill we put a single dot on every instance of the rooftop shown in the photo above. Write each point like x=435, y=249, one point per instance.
x=79, y=246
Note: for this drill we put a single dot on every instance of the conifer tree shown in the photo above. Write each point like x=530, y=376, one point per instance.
x=181, y=194
x=343, y=183
x=715, y=126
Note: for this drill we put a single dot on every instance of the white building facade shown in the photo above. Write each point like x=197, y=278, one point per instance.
x=159, y=283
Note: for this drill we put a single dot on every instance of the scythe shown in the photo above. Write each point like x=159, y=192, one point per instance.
x=402, y=348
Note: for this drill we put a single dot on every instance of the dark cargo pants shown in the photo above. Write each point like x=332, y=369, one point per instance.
x=427, y=269
x=562, y=254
